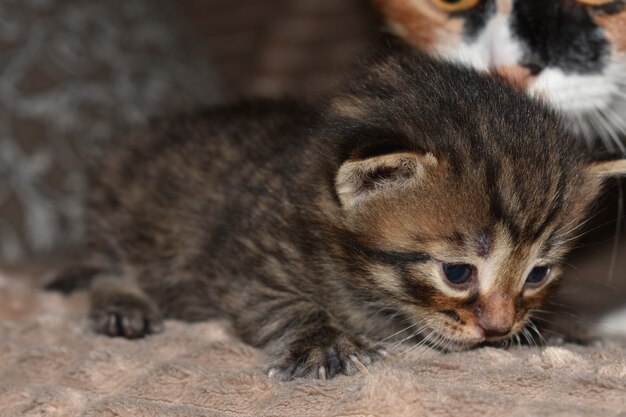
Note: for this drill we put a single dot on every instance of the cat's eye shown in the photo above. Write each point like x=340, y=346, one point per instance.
x=455, y=5
x=537, y=275
x=596, y=2
x=458, y=273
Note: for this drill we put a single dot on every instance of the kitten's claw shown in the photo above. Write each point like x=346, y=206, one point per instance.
x=129, y=322
x=284, y=373
x=272, y=372
x=360, y=366
x=321, y=373
x=344, y=356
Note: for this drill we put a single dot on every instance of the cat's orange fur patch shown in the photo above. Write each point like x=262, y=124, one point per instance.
x=418, y=23
x=615, y=28
x=516, y=75
x=505, y=7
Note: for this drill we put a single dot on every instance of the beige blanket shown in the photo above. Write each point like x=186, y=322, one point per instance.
x=52, y=365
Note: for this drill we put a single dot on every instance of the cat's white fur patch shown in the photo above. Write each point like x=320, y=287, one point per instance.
x=574, y=93
x=494, y=47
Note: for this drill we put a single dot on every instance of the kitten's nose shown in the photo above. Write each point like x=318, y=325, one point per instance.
x=496, y=331
x=495, y=315
x=517, y=75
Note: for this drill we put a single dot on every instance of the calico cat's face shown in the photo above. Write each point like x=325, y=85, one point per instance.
x=459, y=197
x=569, y=52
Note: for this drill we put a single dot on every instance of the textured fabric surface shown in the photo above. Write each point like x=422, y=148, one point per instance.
x=73, y=74
x=52, y=365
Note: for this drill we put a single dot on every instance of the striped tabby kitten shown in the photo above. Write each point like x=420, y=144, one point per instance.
x=570, y=52
x=423, y=200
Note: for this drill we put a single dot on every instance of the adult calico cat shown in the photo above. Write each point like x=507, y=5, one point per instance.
x=570, y=52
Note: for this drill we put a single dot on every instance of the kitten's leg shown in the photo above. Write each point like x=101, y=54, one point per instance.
x=324, y=352
x=305, y=343
x=119, y=307
x=72, y=278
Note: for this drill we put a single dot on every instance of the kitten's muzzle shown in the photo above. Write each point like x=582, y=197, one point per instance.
x=495, y=316
x=495, y=332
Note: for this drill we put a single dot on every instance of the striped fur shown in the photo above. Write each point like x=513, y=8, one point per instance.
x=320, y=230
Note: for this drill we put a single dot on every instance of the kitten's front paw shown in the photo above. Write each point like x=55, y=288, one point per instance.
x=341, y=354
x=126, y=316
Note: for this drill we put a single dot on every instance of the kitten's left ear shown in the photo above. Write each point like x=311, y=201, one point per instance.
x=360, y=179
x=605, y=169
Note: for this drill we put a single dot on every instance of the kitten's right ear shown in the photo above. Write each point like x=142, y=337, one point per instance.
x=359, y=179
x=607, y=169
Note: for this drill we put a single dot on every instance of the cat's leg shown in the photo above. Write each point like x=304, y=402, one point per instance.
x=323, y=351
x=304, y=342
x=72, y=278
x=119, y=307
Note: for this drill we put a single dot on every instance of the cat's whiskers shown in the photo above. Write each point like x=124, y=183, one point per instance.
x=445, y=344
x=575, y=237
x=544, y=320
x=560, y=234
x=618, y=227
x=564, y=309
x=424, y=341
x=603, y=128
x=559, y=231
x=587, y=231
x=412, y=335
x=529, y=341
x=540, y=311
x=583, y=128
x=534, y=328
x=614, y=125
x=431, y=346
x=398, y=332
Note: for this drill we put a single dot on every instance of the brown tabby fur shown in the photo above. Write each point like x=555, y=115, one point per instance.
x=320, y=230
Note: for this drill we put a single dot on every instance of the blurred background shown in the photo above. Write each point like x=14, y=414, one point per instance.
x=74, y=73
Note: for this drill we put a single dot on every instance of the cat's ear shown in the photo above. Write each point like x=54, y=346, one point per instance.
x=605, y=169
x=359, y=179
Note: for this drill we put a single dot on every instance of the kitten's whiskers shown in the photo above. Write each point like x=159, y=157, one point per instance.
x=534, y=328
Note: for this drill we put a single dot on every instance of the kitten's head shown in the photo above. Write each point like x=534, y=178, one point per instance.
x=570, y=52
x=457, y=196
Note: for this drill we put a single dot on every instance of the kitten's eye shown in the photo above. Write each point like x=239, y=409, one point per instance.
x=455, y=5
x=457, y=273
x=537, y=275
x=596, y=2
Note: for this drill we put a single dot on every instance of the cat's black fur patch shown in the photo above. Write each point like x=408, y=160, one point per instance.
x=477, y=17
x=553, y=33
x=559, y=34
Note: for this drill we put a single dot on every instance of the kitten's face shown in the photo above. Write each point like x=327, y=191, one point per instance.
x=459, y=197
x=468, y=257
x=570, y=52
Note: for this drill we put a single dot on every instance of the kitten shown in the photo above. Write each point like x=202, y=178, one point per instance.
x=424, y=200
x=570, y=52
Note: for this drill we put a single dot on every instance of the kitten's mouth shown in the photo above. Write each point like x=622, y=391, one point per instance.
x=454, y=344
x=442, y=340
x=439, y=340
